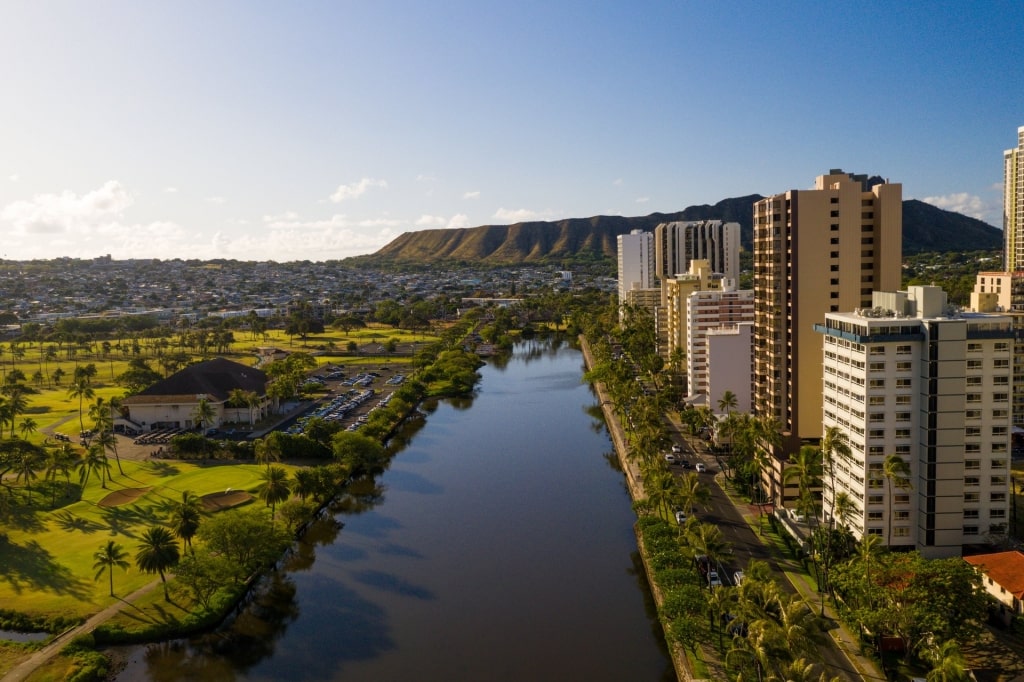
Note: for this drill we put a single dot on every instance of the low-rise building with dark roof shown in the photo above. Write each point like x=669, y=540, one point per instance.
x=172, y=403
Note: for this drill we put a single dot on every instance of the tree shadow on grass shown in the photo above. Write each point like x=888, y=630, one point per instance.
x=161, y=468
x=22, y=516
x=69, y=522
x=30, y=566
x=121, y=520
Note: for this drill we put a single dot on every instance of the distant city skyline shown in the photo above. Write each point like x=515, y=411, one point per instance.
x=263, y=131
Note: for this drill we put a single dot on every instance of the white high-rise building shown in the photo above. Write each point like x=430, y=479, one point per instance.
x=912, y=377
x=636, y=262
x=1013, y=205
x=707, y=311
x=678, y=243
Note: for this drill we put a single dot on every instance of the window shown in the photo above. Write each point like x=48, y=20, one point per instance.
x=974, y=381
x=904, y=366
x=1002, y=362
x=973, y=397
x=876, y=366
x=971, y=481
x=974, y=348
x=997, y=514
x=902, y=498
x=997, y=497
x=879, y=350
x=876, y=433
x=903, y=350
x=874, y=531
x=876, y=383
x=970, y=530
x=998, y=464
x=970, y=513
x=972, y=464
x=974, y=364
x=999, y=480
x=902, y=416
x=972, y=431
x=876, y=400
x=972, y=414
x=903, y=400
x=875, y=499
x=998, y=430
x=903, y=433
x=971, y=498
x=1001, y=346
x=875, y=516
x=877, y=417
x=904, y=383
x=901, y=515
x=900, y=532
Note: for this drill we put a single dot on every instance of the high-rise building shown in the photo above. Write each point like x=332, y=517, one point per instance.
x=815, y=251
x=909, y=376
x=636, y=262
x=675, y=290
x=1013, y=205
x=1003, y=292
x=676, y=244
x=730, y=365
x=708, y=311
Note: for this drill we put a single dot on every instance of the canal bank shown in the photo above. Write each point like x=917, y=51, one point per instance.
x=634, y=483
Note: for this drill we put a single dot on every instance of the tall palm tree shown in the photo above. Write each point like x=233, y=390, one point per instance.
x=59, y=461
x=948, y=664
x=204, y=413
x=157, y=553
x=28, y=462
x=805, y=467
x=81, y=388
x=707, y=539
x=727, y=403
x=94, y=462
x=267, y=450
x=27, y=427
x=186, y=517
x=896, y=471
x=690, y=491
x=273, y=488
x=109, y=557
x=833, y=443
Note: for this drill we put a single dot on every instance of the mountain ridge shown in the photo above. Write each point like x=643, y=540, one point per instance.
x=925, y=228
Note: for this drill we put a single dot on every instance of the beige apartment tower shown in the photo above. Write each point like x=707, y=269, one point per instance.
x=815, y=251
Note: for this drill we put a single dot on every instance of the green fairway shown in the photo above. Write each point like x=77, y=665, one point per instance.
x=47, y=555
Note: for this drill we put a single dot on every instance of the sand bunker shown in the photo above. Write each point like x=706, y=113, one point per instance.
x=126, y=496
x=225, y=500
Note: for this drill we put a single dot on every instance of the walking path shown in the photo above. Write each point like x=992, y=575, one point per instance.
x=39, y=658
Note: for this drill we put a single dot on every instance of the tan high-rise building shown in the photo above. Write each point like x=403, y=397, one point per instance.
x=815, y=251
x=1013, y=205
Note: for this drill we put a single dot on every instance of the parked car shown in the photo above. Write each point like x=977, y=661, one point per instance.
x=713, y=579
x=677, y=449
x=701, y=468
x=670, y=458
x=680, y=517
x=737, y=578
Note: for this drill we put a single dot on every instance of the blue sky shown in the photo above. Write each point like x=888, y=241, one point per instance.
x=307, y=130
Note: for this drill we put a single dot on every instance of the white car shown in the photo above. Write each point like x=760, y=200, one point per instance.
x=701, y=468
x=671, y=459
x=737, y=578
x=676, y=449
x=680, y=517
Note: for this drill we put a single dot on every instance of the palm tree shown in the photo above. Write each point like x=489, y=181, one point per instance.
x=81, y=388
x=896, y=471
x=833, y=443
x=805, y=467
x=94, y=462
x=157, y=553
x=29, y=460
x=948, y=663
x=727, y=403
x=273, y=488
x=186, y=517
x=690, y=491
x=110, y=556
x=707, y=539
x=59, y=461
x=204, y=413
x=27, y=427
x=267, y=450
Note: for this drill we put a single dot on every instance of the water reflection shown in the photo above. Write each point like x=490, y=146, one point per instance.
x=496, y=545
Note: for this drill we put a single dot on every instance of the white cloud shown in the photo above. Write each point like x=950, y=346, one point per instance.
x=521, y=215
x=68, y=212
x=356, y=189
x=170, y=190
x=458, y=221
x=617, y=182
x=14, y=177
x=281, y=217
x=216, y=200
x=430, y=221
x=471, y=195
x=642, y=200
x=961, y=202
x=425, y=178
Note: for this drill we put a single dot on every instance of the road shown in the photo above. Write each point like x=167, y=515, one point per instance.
x=746, y=546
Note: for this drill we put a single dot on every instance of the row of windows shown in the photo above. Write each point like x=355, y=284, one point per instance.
x=975, y=464
x=975, y=481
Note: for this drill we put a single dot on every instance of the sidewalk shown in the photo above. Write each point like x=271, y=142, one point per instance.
x=39, y=658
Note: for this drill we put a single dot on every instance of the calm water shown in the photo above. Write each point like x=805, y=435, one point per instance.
x=501, y=548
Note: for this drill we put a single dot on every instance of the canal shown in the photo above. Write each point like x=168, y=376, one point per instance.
x=498, y=546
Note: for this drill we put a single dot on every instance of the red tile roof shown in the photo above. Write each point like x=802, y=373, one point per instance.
x=1005, y=568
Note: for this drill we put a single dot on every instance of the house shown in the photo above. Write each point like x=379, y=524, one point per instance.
x=1003, y=578
x=171, y=403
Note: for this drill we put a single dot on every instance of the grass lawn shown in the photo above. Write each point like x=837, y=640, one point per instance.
x=47, y=555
